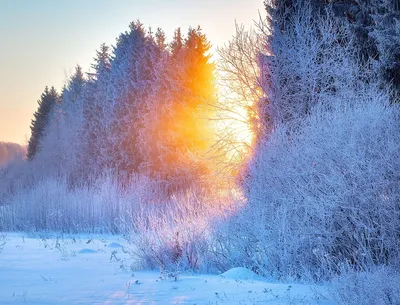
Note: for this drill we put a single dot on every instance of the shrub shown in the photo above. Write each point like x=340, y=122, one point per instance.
x=51, y=204
x=323, y=194
x=379, y=286
x=177, y=235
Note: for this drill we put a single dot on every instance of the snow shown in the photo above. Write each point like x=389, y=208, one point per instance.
x=240, y=273
x=97, y=269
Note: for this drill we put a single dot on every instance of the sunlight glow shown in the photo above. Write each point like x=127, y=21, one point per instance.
x=234, y=129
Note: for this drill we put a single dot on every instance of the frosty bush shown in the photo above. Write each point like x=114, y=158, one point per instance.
x=323, y=194
x=177, y=235
x=51, y=204
x=379, y=286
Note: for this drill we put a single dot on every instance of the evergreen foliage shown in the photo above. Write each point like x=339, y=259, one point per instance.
x=41, y=119
x=142, y=109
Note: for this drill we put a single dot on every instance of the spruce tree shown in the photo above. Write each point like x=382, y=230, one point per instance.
x=97, y=114
x=41, y=119
x=177, y=42
x=63, y=140
x=160, y=39
x=184, y=135
x=133, y=76
x=102, y=60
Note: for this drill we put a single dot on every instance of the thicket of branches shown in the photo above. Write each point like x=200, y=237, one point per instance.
x=323, y=185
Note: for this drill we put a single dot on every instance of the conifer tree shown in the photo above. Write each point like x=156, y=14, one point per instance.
x=102, y=63
x=161, y=39
x=132, y=74
x=63, y=143
x=185, y=136
x=41, y=119
x=177, y=42
x=97, y=115
x=310, y=57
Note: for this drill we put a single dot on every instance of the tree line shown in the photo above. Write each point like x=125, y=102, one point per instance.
x=140, y=110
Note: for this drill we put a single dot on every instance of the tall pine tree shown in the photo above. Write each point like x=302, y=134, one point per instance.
x=41, y=119
x=186, y=91
x=97, y=115
x=133, y=76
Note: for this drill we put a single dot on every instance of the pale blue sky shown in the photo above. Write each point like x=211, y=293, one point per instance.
x=41, y=41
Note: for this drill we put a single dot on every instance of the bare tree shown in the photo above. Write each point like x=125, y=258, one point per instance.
x=240, y=94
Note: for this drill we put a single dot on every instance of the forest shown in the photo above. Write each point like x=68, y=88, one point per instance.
x=281, y=154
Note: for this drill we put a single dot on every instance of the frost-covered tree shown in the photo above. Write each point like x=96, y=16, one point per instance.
x=240, y=91
x=173, y=128
x=72, y=121
x=310, y=57
x=132, y=77
x=187, y=136
x=41, y=120
x=98, y=111
x=161, y=39
x=63, y=141
x=375, y=25
x=177, y=42
x=101, y=63
x=153, y=122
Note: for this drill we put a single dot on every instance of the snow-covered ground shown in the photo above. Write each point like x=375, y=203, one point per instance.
x=97, y=269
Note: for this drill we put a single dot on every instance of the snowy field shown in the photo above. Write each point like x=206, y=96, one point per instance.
x=97, y=269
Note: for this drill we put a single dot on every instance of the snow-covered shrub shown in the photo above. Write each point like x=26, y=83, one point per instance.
x=379, y=286
x=50, y=204
x=323, y=194
x=177, y=235
x=20, y=176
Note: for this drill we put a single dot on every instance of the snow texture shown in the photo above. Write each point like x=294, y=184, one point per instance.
x=84, y=269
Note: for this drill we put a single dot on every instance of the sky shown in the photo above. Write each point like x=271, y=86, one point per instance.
x=41, y=41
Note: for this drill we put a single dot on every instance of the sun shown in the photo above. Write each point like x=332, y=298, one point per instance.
x=234, y=129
